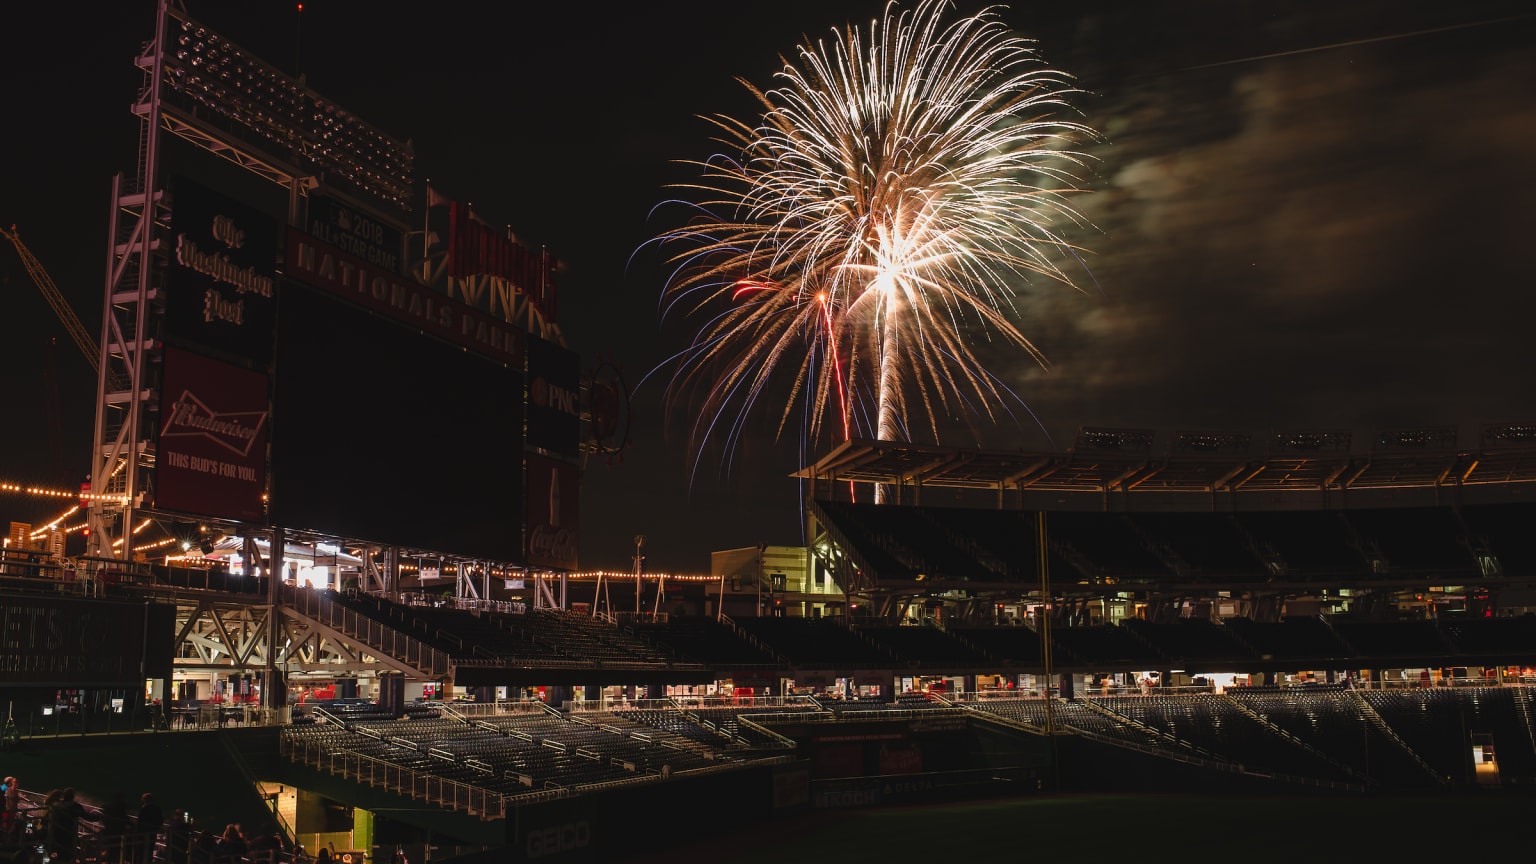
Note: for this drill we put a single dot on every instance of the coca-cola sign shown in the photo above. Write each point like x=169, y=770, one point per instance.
x=549, y=544
x=553, y=512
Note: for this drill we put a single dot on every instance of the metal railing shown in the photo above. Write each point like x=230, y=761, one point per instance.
x=387, y=640
x=433, y=789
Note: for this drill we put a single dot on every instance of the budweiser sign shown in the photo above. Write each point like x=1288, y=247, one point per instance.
x=210, y=458
x=235, y=431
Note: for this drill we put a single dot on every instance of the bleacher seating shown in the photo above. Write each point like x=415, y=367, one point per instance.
x=704, y=640
x=558, y=637
x=1107, y=646
x=1190, y=640
x=1104, y=546
x=1430, y=721
x=1504, y=532
x=1306, y=542
x=1336, y=723
x=1003, y=540
x=874, y=546
x=1012, y=644
x=1389, y=643
x=1415, y=538
x=810, y=643
x=935, y=552
x=1206, y=546
x=1216, y=728
x=925, y=647
x=513, y=753
x=1490, y=641
x=1305, y=640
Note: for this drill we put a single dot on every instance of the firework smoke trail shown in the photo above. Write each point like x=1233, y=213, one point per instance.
x=898, y=189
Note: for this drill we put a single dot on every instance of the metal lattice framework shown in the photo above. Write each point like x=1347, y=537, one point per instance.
x=205, y=90
x=1418, y=466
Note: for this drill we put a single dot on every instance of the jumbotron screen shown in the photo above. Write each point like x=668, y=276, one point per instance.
x=383, y=434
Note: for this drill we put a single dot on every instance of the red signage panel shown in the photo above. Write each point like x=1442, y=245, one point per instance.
x=553, y=512
x=212, y=449
x=353, y=279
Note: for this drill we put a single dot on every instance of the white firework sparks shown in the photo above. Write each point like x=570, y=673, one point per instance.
x=874, y=221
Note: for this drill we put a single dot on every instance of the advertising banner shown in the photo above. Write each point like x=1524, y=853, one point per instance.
x=212, y=449
x=554, y=513
x=221, y=284
x=60, y=641
x=354, y=232
x=476, y=249
x=427, y=436
x=406, y=301
x=554, y=398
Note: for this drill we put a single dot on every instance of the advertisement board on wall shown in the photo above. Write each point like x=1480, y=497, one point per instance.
x=349, y=229
x=554, y=398
x=65, y=641
x=212, y=447
x=221, y=284
x=553, y=511
x=341, y=274
x=382, y=434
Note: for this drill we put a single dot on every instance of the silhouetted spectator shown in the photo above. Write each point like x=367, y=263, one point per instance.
x=204, y=849
x=265, y=845
x=178, y=838
x=232, y=845
x=114, y=834
x=10, y=817
x=64, y=826
x=148, y=825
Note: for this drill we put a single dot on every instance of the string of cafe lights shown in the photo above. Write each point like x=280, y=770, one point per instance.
x=40, y=533
x=447, y=570
x=158, y=544
x=44, y=492
x=118, y=543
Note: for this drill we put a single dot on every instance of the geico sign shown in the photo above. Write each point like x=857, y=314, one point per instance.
x=559, y=838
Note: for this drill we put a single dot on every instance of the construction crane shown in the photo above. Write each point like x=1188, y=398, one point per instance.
x=61, y=308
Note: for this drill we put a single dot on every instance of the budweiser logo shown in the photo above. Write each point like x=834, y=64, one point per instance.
x=235, y=431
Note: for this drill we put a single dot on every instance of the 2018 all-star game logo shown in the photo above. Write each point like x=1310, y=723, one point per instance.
x=235, y=431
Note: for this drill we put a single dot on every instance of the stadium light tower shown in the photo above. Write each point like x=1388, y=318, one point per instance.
x=639, y=568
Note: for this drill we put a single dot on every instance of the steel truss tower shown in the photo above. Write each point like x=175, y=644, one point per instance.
x=205, y=90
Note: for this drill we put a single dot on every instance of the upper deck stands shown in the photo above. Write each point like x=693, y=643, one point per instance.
x=1414, y=538
x=817, y=644
x=926, y=647
x=1305, y=542
x=1190, y=640
x=1105, y=646
x=1302, y=639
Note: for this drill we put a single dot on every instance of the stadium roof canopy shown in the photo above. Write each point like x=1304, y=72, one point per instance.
x=1126, y=461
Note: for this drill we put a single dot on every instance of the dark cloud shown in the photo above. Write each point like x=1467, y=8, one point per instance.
x=1326, y=237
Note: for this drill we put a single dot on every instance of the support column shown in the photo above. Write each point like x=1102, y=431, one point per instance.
x=274, y=686
x=392, y=692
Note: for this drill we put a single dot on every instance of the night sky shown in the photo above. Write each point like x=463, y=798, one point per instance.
x=1316, y=219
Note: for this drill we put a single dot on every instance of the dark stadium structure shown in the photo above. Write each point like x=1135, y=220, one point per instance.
x=1215, y=519
x=1358, y=649
x=341, y=633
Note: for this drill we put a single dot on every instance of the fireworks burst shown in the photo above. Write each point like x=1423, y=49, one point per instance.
x=880, y=215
